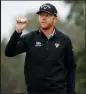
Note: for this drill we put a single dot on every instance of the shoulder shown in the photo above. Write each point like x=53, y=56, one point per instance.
x=66, y=39
x=61, y=34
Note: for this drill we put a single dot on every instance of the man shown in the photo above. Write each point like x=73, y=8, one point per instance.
x=49, y=64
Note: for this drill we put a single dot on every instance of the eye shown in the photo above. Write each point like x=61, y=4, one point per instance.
x=41, y=14
x=47, y=15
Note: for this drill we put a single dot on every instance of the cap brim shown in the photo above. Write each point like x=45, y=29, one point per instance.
x=44, y=11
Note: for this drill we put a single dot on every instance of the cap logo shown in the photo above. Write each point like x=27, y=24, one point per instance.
x=45, y=6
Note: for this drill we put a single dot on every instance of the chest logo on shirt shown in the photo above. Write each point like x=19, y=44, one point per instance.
x=38, y=44
x=57, y=45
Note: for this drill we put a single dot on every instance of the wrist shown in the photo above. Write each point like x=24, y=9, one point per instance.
x=17, y=33
x=19, y=30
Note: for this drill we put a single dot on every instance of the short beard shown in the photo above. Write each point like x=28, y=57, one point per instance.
x=46, y=28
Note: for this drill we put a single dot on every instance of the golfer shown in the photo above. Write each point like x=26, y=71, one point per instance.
x=49, y=66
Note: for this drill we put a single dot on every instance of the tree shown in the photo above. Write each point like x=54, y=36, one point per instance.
x=77, y=19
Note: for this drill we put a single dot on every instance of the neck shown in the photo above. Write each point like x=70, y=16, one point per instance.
x=47, y=31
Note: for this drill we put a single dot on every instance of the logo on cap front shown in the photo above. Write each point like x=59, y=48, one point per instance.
x=45, y=6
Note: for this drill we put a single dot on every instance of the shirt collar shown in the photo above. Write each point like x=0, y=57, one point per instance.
x=51, y=35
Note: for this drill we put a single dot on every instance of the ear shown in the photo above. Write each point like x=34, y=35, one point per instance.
x=55, y=20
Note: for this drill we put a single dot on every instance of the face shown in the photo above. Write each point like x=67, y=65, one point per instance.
x=46, y=20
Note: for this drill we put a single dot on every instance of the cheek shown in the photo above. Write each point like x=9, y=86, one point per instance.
x=50, y=21
x=39, y=20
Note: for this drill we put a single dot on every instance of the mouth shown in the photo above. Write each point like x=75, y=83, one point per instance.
x=43, y=22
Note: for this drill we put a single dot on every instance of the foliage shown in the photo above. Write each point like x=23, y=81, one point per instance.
x=77, y=16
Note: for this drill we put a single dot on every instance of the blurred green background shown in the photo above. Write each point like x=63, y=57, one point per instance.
x=12, y=69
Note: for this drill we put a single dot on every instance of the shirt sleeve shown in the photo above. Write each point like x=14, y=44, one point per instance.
x=15, y=45
x=70, y=66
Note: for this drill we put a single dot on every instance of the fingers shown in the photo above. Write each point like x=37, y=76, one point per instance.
x=22, y=19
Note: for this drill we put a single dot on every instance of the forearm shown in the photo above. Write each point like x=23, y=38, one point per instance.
x=71, y=82
x=10, y=49
x=71, y=72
